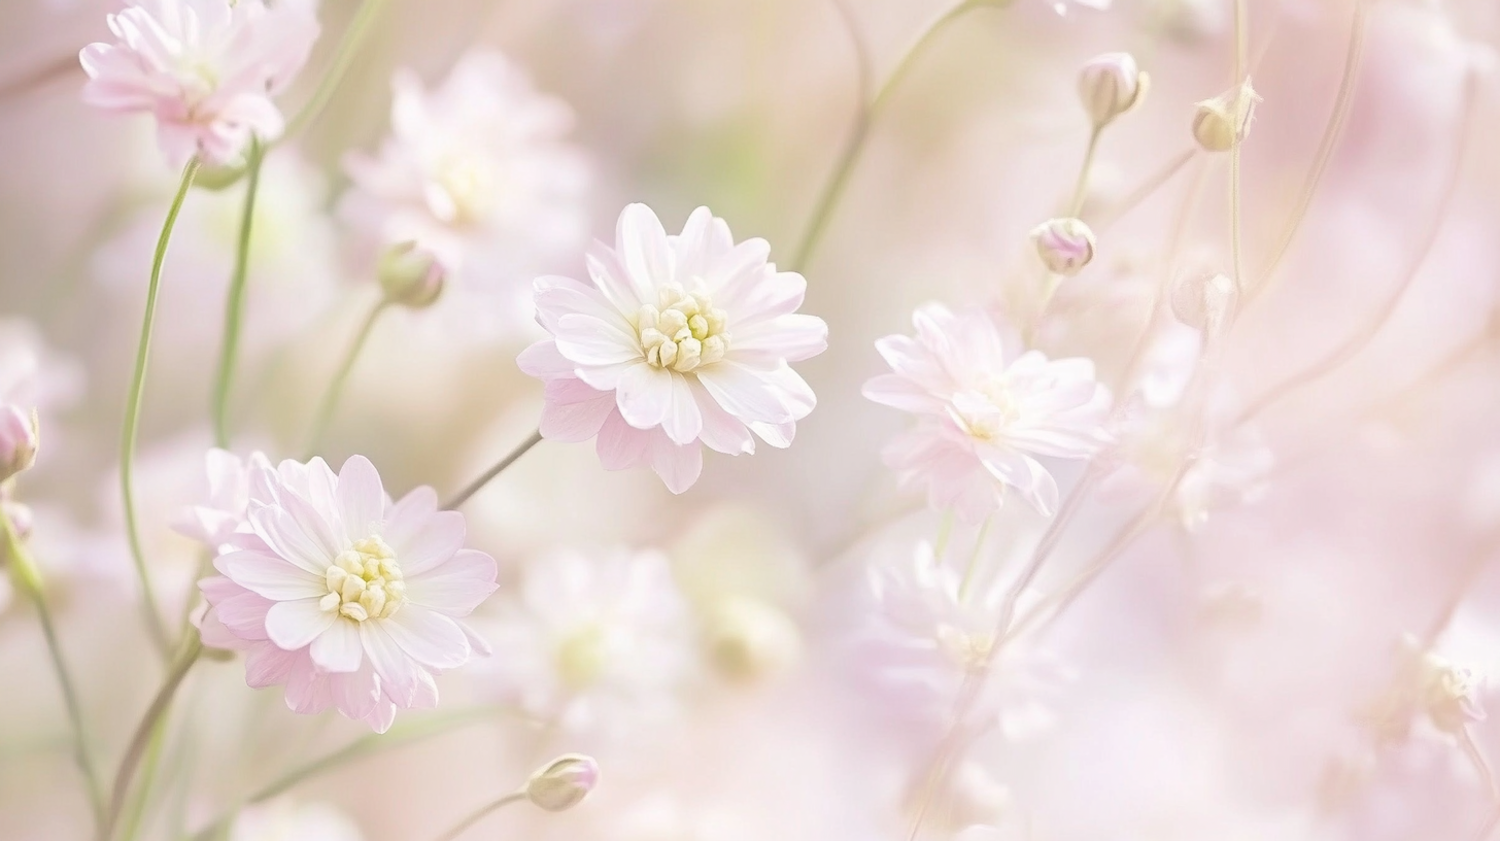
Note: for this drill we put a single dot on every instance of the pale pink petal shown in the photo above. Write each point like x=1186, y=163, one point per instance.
x=295, y=624
x=355, y=692
x=544, y=361
x=747, y=394
x=428, y=637
x=456, y=587
x=573, y=411
x=270, y=576
x=642, y=246
x=621, y=446
x=267, y=665
x=435, y=542
x=361, y=498
x=722, y=431
x=683, y=421
x=589, y=341
x=678, y=465
x=396, y=670
x=337, y=649
x=644, y=396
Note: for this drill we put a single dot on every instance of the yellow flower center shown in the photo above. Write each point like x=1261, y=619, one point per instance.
x=682, y=331
x=364, y=582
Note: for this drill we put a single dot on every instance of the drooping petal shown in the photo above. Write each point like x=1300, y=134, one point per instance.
x=456, y=587
x=678, y=465
x=621, y=446
x=338, y=649
x=295, y=624
x=270, y=576
x=428, y=637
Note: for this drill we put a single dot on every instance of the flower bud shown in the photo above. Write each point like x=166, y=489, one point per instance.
x=1110, y=85
x=1065, y=245
x=563, y=783
x=1221, y=123
x=19, y=439
x=411, y=275
x=1449, y=694
x=1204, y=301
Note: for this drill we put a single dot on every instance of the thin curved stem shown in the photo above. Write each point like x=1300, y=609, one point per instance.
x=480, y=814
x=354, y=36
x=475, y=486
x=26, y=574
x=137, y=808
x=854, y=144
x=1081, y=184
x=192, y=648
x=335, y=391
x=1332, y=131
x=31, y=80
x=371, y=744
x=1236, y=246
x=972, y=570
x=133, y=415
x=1357, y=341
x=234, y=305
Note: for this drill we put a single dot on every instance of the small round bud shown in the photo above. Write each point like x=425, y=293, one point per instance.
x=1203, y=301
x=22, y=520
x=1110, y=85
x=563, y=783
x=411, y=275
x=1065, y=245
x=1221, y=123
x=19, y=440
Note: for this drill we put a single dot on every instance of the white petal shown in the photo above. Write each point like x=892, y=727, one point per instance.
x=428, y=637
x=295, y=624
x=361, y=498
x=338, y=649
x=644, y=395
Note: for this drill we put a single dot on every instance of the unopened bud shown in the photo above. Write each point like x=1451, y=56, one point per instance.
x=563, y=783
x=1065, y=245
x=411, y=275
x=19, y=439
x=1204, y=301
x=1221, y=123
x=1110, y=85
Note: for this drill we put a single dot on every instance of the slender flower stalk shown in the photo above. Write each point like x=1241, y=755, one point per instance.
x=1357, y=341
x=348, y=48
x=137, y=808
x=191, y=650
x=1241, y=44
x=335, y=390
x=475, y=486
x=133, y=415
x=1331, y=134
x=869, y=109
x=235, y=304
x=1081, y=185
x=402, y=734
x=25, y=572
x=480, y=814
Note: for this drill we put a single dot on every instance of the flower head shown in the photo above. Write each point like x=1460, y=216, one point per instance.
x=676, y=340
x=205, y=69
x=1110, y=85
x=348, y=598
x=593, y=642
x=985, y=416
x=478, y=173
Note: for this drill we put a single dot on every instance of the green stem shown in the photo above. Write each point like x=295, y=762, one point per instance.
x=371, y=744
x=944, y=534
x=335, y=390
x=148, y=777
x=854, y=145
x=235, y=304
x=1241, y=44
x=192, y=648
x=1081, y=185
x=133, y=414
x=972, y=570
x=30, y=580
x=474, y=487
x=481, y=813
x=348, y=47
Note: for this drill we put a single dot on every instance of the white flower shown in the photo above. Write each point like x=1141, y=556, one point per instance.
x=984, y=415
x=593, y=643
x=350, y=599
x=930, y=633
x=677, y=340
x=478, y=172
x=206, y=69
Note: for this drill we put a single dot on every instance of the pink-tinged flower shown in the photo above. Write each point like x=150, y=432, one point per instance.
x=676, y=340
x=225, y=511
x=596, y=643
x=349, y=599
x=930, y=632
x=478, y=172
x=205, y=69
x=985, y=414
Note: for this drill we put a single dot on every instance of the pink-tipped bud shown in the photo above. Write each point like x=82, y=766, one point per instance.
x=1065, y=245
x=19, y=440
x=563, y=783
x=411, y=275
x=1110, y=85
x=1204, y=301
x=1221, y=123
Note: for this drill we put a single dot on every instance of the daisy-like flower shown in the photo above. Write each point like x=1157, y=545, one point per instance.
x=931, y=632
x=594, y=643
x=676, y=340
x=205, y=69
x=349, y=599
x=985, y=413
x=478, y=172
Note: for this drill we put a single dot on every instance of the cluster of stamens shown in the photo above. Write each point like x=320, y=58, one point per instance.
x=364, y=582
x=985, y=414
x=683, y=331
